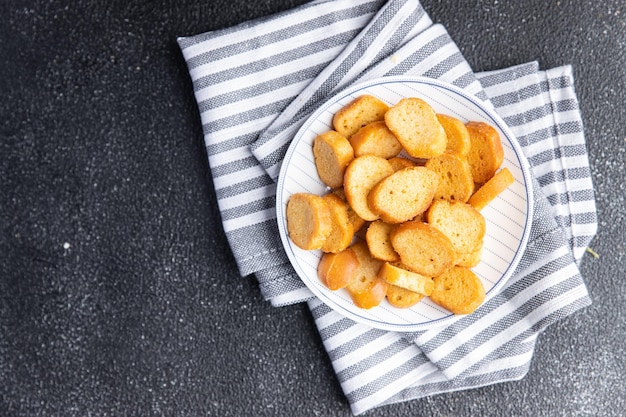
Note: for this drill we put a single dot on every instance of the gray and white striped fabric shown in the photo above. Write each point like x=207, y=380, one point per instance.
x=256, y=83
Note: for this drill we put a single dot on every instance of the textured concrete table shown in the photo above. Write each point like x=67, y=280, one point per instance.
x=118, y=292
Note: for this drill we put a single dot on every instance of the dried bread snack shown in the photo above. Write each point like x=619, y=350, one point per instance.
x=366, y=289
x=403, y=195
x=423, y=248
x=401, y=297
x=456, y=133
x=362, y=174
x=342, y=231
x=378, y=241
x=375, y=139
x=336, y=270
x=332, y=153
x=415, y=124
x=486, y=153
x=491, y=189
x=353, y=218
x=402, y=277
x=458, y=290
x=398, y=163
x=412, y=174
x=455, y=176
x=308, y=220
x=460, y=222
x=470, y=259
x=359, y=112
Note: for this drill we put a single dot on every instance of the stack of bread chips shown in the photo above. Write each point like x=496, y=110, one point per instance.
x=409, y=184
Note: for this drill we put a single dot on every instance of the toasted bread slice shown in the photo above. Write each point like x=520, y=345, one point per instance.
x=336, y=270
x=458, y=290
x=379, y=243
x=455, y=176
x=460, y=222
x=403, y=195
x=362, y=174
x=366, y=289
x=342, y=231
x=375, y=139
x=486, y=153
x=415, y=124
x=470, y=259
x=456, y=133
x=308, y=220
x=423, y=248
x=491, y=189
x=402, y=277
x=332, y=153
x=354, y=218
x=402, y=298
x=358, y=113
x=398, y=163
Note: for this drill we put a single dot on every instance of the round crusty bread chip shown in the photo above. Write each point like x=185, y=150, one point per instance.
x=402, y=298
x=358, y=113
x=460, y=222
x=342, y=231
x=308, y=220
x=491, y=189
x=336, y=270
x=402, y=277
x=458, y=290
x=375, y=139
x=362, y=174
x=456, y=133
x=471, y=259
x=398, y=163
x=332, y=153
x=403, y=195
x=354, y=218
x=379, y=243
x=455, y=177
x=415, y=124
x=423, y=248
x=486, y=153
x=366, y=289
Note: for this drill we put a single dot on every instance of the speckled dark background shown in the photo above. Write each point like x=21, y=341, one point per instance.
x=118, y=292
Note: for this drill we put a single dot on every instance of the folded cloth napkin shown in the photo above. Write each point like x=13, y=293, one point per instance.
x=256, y=83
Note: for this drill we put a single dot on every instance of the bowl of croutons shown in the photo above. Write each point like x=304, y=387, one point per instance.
x=404, y=203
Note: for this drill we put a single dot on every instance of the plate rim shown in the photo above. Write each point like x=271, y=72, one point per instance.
x=490, y=112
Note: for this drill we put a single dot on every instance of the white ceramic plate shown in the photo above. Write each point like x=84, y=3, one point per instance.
x=508, y=216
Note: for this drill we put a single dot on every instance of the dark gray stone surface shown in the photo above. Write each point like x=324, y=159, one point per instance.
x=118, y=292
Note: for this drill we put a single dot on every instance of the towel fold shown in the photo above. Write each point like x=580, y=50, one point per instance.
x=255, y=85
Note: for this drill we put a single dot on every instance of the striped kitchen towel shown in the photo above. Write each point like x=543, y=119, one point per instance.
x=256, y=83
